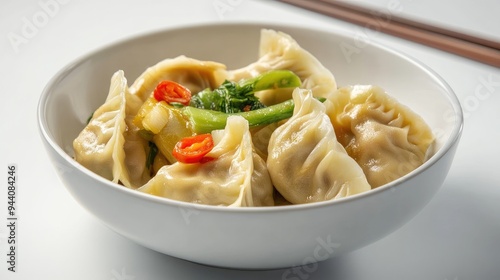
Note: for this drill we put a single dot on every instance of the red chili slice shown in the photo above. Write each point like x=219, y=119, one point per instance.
x=193, y=149
x=172, y=92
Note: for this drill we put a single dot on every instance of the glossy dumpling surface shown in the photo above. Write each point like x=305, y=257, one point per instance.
x=109, y=144
x=236, y=177
x=279, y=51
x=305, y=160
x=194, y=74
x=386, y=138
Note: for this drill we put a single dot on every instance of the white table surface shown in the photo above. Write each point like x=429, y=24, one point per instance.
x=456, y=237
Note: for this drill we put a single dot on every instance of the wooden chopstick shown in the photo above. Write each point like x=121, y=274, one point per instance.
x=388, y=16
x=474, y=48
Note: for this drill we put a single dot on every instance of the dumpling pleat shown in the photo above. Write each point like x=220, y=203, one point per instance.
x=306, y=162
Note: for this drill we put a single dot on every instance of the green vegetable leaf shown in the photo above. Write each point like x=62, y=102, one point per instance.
x=90, y=118
x=153, y=151
x=232, y=97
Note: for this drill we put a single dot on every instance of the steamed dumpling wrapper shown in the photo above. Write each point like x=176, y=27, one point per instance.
x=279, y=51
x=109, y=145
x=196, y=75
x=386, y=138
x=305, y=160
x=236, y=177
x=261, y=136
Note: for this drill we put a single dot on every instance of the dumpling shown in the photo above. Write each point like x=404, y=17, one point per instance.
x=194, y=74
x=109, y=145
x=279, y=51
x=386, y=138
x=236, y=177
x=306, y=162
x=261, y=136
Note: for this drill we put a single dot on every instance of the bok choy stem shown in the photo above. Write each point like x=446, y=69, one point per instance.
x=204, y=121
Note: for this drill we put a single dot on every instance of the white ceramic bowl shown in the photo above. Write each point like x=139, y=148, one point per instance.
x=249, y=238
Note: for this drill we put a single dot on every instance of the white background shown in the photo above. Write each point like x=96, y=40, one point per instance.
x=456, y=237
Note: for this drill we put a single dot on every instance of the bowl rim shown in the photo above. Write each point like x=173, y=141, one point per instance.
x=47, y=136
